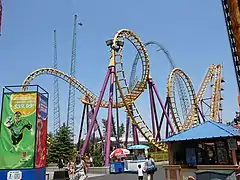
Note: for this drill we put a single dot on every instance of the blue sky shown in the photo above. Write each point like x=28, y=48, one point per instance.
x=194, y=32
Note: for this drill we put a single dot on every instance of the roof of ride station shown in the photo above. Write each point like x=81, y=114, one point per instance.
x=206, y=130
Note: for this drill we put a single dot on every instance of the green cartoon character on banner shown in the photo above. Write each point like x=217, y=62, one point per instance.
x=17, y=126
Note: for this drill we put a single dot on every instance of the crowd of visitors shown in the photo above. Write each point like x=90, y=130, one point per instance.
x=77, y=168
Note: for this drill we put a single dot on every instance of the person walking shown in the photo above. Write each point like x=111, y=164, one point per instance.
x=71, y=167
x=140, y=172
x=91, y=160
x=151, y=167
x=80, y=169
x=60, y=163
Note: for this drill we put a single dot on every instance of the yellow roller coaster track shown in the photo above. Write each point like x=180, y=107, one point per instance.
x=217, y=94
x=214, y=72
x=191, y=117
x=128, y=97
x=122, y=86
x=178, y=73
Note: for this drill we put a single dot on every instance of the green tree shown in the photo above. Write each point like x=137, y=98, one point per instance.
x=104, y=122
x=49, y=145
x=62, y=145
x=121, y=130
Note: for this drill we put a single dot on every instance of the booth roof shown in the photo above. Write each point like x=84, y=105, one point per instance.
x=207, y=130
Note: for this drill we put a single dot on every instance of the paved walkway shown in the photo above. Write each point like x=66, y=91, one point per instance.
x=159, y=175
x=89, y=175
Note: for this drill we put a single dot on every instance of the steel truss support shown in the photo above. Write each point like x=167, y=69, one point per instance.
x=110, y=75
x=157, y=127
x=204, y=103
x=86, y=113
x=127, y=131
x=134, y=131
x=168, y=123
x=135, y=134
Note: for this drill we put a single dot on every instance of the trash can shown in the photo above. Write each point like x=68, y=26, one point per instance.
x=61, y=175
x=119, y=167
x=116, y=167
x=213, y=174
x=112, y=168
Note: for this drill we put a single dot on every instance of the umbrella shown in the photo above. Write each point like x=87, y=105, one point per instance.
x=140, y=146
x=119, y=152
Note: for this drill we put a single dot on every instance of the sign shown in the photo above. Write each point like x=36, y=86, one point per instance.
x=14, y=175
x=41, y=139
x=232, y=144
x=18, y=125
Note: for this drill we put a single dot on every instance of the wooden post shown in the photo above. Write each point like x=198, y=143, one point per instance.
x=232, y=145
x=173, y=172
x=234, y=157
x=170, y=154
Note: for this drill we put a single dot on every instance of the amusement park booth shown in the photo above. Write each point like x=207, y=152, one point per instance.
x=128, y=162
x=23, y=133
x=139, y=153
x=207, y=146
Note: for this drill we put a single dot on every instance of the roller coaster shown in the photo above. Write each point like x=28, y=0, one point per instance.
x=178, y=83
x=130, y=93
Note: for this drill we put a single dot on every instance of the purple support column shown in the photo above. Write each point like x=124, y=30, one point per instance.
x=98, y=127
x=133, y=133
x=152, y=108
x=87, y=139
x=160, y=101
x=135, y=137
x=127, y=130
x=109, y=121
x=134, y=129
x=81, y=126
x=161, y=122
x=155, y=111
x=168, y=113
x=88, y=119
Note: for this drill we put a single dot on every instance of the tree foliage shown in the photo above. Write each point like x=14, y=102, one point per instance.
x=95, y=150
x=62, y=146
x=104, y=122
x=49, y=146
x=121, y=128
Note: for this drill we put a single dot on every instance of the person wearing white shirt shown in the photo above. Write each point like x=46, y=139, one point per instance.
x=91, y=160
x=140, y=172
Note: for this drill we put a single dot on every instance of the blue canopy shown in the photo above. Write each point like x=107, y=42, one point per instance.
x=207, y=130
x=140, y=146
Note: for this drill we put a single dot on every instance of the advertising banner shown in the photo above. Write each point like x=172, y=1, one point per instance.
x=41, y=141
x=17, y=132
